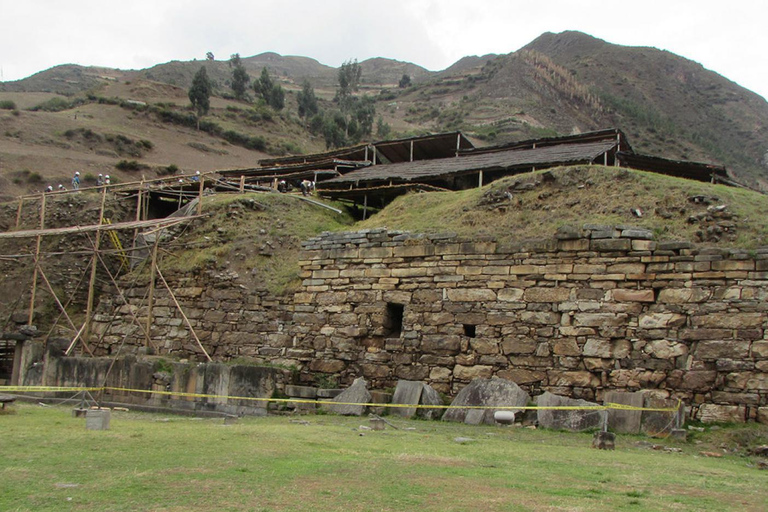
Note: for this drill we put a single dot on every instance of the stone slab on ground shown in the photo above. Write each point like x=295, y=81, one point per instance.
x=485, y=392
x=357, y=393
x=407, y=392
x=429, y=396
x=656, y=422
x=575, y=420
x=623, y=421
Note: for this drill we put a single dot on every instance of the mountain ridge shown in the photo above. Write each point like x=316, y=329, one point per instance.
x=560, y=83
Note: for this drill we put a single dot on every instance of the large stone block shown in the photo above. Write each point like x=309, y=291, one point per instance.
x=760, y=348
x=683, y=295
x=747, y=381
x=472, y=372
x=558, y=294
x=522, y=376
x=581, y=379
x=357, y=393
x=730, y=320
x=518, y=346
x=575, y=420
x=491, y=393
x=442, y=345
x=327, y=365
x=713, y=413
x=471, y=295
x=510, y=294
x=624, y=295
x=624, y=421
x=661, y=320
x=716, y=349
x=665, y=349
x=599, y=319
x=416, y=393
x=607, y=349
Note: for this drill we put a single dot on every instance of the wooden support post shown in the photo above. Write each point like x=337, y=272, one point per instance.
x=365, y=206
x=374, y=155
x=151, y=297
x=138, y=211
x=56, y=299
x=618, y=148
x=458, y=143
x=37, y=256
x=200, y=196
x=181, y=311
x=411, y=151
x=480, y=178
x=139, y=200
x=605, y=158
x=242, y=184
x=18, y=211
x=366, y=153
x=94, y=266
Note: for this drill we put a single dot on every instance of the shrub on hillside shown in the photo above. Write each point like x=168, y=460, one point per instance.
x=129, y=165
x=7, y=105
x=57, y=104
x=169, y=170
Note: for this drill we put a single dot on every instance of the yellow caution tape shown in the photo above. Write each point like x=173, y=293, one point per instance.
x=605, y=407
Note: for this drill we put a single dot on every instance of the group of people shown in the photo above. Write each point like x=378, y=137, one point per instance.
x=306, y=187
x=101, y=180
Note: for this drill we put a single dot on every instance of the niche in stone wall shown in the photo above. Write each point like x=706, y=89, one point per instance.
x=470, y=330
x=393, y=320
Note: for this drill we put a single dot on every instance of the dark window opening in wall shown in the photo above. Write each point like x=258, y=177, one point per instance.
x=393, y=320
x=470, y=330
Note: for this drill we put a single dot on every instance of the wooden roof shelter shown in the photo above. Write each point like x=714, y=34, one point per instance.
x=426, y=147
x=682, y=169
x=464, y=171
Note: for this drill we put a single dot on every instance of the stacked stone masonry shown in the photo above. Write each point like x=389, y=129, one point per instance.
x=590, y=310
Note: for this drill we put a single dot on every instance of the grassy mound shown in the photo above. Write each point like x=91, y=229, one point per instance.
x=536, y=204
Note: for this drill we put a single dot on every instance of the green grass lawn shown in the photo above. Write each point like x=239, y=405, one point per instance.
x=49, y=461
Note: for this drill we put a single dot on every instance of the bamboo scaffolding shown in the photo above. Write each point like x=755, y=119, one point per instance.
x=31, y=316
x=186, y=320
x=163, y=223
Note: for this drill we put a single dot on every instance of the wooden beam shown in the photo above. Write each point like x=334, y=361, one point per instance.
x=411, y=151
x=151, y=298
x=18, y=211
x=480, y=178
x=365, y=206
x=37, y=257
x=200, y=196
x=58, y=302
x=94, y=266
x=186, y=320
x=242, y=184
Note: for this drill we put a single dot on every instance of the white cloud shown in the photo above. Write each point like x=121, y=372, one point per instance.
x=38, y=34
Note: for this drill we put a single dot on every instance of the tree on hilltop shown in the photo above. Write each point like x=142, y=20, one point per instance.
x=307, y=101
x=200, y=94
x=350, y=74
x=271, y=92
x=240, y=78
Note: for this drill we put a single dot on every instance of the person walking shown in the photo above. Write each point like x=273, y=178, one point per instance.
x=76, y=181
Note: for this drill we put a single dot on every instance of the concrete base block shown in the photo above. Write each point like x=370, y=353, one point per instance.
x=377, y=424
x=97, y=419
x=604, y=441
x=679, y=434
x=79, y=413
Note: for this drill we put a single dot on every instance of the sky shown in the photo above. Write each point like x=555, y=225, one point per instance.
x=726, y=37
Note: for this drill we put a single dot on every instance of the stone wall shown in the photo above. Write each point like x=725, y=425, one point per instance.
x=590, y=310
